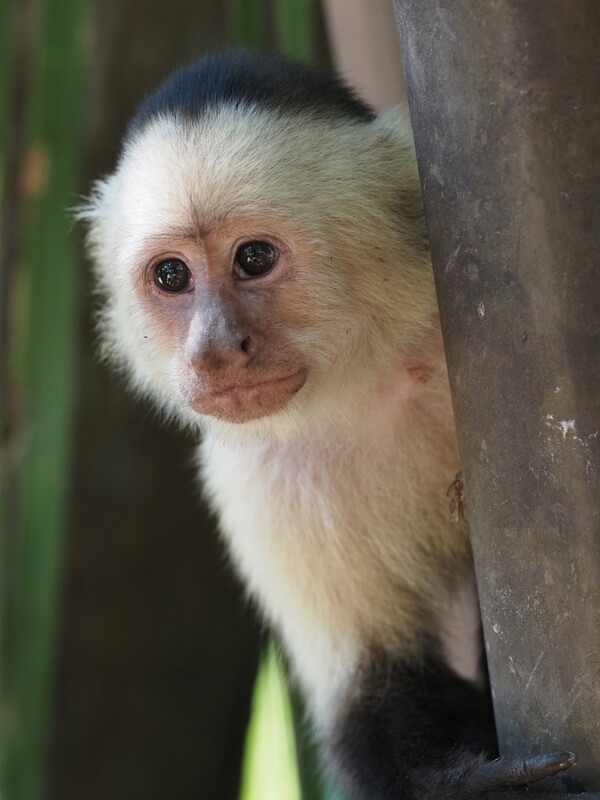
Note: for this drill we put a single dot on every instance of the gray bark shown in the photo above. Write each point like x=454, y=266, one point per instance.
x=505, y=101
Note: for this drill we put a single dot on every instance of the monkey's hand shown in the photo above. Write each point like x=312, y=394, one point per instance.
x=401, y=743
x=501, y=779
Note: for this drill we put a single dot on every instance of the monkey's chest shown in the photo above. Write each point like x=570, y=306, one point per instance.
x=332, y=538
x=340, y=552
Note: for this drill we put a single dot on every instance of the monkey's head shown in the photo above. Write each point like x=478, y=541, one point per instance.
x=260, y=246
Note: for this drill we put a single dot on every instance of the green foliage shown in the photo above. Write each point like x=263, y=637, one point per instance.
x=270, y=766
x=280, y=761
x=38, y=318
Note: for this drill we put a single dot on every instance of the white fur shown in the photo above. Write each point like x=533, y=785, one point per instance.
x=460, y=631
x=334, y=509
x=343, y=536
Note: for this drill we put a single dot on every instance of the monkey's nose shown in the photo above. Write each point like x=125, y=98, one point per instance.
x=219, y=357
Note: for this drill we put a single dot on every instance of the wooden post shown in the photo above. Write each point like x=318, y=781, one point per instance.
x=505, y=100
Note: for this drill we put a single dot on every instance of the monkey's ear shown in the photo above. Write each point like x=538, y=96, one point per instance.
x=392, y=135
x=394, y=125
x=393, y=139
x=394, y=115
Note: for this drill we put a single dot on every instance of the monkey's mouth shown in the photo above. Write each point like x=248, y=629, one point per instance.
x=240, y=401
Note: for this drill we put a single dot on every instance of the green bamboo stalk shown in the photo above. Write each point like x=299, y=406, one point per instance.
x=270, y=763
x=8, y=213
x=48, y=284
x=293, y=27
x=6, y=20
x=6, y=28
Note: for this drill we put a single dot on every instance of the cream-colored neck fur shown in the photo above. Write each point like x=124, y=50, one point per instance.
x=338, y=535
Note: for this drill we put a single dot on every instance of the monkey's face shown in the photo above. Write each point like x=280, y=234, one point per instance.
x=222, y=306
x=245, y=264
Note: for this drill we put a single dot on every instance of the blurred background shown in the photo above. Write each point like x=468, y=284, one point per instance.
x=128, y=655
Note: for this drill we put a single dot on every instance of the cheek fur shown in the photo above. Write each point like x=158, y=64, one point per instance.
x=154, y=336
x=313, y=312
x=163, y=327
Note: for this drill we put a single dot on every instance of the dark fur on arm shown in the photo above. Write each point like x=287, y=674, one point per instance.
x=419, y=732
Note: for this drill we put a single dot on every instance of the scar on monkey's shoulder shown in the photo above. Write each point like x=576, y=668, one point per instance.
x=418, y=371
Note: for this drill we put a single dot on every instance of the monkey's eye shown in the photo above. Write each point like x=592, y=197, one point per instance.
x=172, y=275
x=255, y=258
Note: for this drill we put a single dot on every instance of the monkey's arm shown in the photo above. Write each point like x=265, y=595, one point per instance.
x=419, y=732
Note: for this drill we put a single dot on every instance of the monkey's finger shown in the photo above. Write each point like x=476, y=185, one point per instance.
x=519, y=771
x=584, y=796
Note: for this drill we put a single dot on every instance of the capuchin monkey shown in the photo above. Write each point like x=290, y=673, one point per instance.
x=262, y=259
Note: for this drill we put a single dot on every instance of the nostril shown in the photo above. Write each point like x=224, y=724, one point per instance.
x=245, y=346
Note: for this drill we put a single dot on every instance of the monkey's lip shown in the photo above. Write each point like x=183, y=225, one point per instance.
x=270, y=382
x=240, y=401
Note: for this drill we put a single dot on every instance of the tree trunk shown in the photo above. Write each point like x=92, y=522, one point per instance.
x=505, y=100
